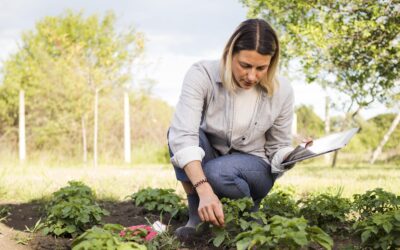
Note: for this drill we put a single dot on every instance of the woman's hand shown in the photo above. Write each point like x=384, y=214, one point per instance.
x=210, y=207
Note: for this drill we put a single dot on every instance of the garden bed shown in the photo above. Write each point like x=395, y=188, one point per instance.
x=123, y=213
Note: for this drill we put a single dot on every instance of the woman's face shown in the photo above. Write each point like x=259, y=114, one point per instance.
x=249, y=67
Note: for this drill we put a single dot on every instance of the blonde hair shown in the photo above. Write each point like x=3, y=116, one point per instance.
x=252, y=34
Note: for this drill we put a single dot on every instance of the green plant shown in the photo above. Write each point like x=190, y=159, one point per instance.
x=36, y=228
x=72, y=210
x=106, y=238
x=380, y=231
x=22, y=239
x=283, y=233
x=375, y=201
x=279, y=203
x=327, y=211
x=4, y=212
x=159, y=200
x=237, y=218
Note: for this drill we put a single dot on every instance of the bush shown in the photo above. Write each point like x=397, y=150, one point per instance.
x=283, y=233
x=104, y=238
x=380, y=231
x=375, y=201
x=159, y=200
x=279, y=203
x=72, y=210
x=237, y=218
x=326, y=211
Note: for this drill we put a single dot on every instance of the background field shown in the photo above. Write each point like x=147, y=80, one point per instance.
x=24, y=183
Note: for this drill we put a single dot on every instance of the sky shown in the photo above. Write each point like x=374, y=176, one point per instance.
x=178, y=33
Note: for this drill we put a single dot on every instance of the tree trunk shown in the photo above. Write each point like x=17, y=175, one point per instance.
x=96, y=126
x=22, y=141
x=378, y=150
x=84, y=142
x=327, y=125
x=127, y=129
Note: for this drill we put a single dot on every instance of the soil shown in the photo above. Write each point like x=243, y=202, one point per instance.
x=23, y=216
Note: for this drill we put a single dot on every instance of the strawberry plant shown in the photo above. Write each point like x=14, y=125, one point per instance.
x=106, y=238
x=279, y=203
x=237, y=218
x=72, y=210
x=326, y=211
x=380, y=231
x=375, y=201
x=282, y=233
x=159, y=200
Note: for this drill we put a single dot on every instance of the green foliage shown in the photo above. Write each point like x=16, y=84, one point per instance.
x=308, y=122
x=326, y=211
x=375, y=201
x=4, y=212
x=106, y=238
x=351, y=46
x=159, y=200
x=283, y=233
x=237, y=218
x=72, y=210
x=380, y=231
x=279, y=203
x=85, y=53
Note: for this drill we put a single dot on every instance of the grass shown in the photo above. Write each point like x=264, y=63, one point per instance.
x=23, y=183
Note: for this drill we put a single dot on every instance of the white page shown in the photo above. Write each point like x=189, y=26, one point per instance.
x=332, y=142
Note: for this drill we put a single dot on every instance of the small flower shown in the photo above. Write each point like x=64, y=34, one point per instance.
x=136, y=230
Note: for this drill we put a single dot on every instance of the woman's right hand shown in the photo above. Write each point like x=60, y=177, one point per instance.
x=210, y=207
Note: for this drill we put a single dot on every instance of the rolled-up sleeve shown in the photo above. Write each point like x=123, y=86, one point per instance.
x=279, y=136
x=183, y=135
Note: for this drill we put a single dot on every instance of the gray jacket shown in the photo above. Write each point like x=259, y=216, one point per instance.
x=204, y=103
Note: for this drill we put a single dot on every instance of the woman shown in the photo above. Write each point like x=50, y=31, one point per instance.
x=232, y=125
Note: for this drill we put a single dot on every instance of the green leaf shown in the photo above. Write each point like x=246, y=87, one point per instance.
x=242, y=244
x=365, y=236
x=219, y=239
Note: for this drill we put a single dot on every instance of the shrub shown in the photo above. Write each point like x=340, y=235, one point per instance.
x=380, y=231
x=104, y=238
x=326, y=211
x=375, y=201
x=72, y=210
x=279, y=203
x=159, y=200
x=283, y=233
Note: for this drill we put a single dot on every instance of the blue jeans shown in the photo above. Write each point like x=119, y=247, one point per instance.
x=235, y=175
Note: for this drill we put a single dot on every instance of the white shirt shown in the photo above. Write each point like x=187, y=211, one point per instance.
x=244, y=106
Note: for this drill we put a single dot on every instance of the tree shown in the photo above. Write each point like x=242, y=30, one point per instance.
x=350, y=46
x=385, y=139
x=62, y=65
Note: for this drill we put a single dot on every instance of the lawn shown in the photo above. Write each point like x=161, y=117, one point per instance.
x=27, y=182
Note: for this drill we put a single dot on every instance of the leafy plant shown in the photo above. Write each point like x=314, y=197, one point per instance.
x=106, y=238
x=159, y=200
x=279, y=203
x=283, y=233
x=22, y=239
x=380, y=231
x=326, y=211
x=237, y=218
x=4, y=212
x=72, y=210
x=375, y=201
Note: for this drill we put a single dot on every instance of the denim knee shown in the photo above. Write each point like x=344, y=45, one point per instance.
x=226, y=184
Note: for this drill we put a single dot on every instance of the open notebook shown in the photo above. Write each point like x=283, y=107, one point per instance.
x=320, y=146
